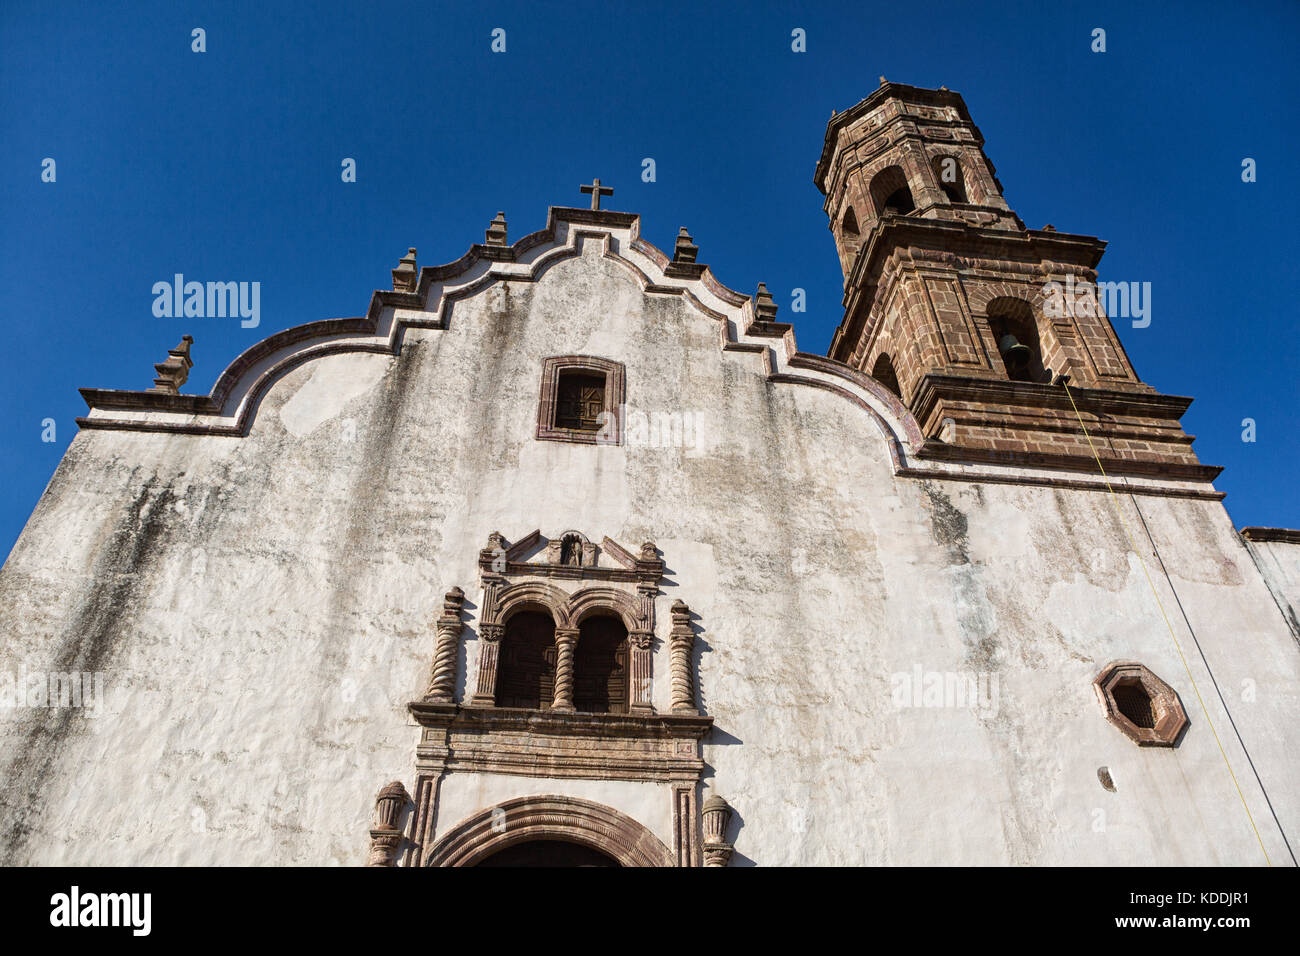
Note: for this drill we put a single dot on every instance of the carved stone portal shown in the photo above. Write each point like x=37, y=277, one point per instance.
x=571, y=721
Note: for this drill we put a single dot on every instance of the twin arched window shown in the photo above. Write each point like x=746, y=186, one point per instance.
x=528, y=658
x=891, y=193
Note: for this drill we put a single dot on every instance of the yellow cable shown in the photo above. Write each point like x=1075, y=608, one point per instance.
x=1160, y=604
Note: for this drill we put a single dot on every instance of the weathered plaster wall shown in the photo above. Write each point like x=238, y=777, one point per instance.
x=262, y=608
x=1279, y=564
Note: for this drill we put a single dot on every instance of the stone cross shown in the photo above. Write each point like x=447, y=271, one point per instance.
x=597, y=190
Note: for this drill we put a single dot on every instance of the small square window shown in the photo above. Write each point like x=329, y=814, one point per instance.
x=581, y=400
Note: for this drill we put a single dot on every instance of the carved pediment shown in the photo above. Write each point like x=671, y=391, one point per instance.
x=570, y=554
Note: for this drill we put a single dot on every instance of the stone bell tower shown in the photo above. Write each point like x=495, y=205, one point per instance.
x=968, y=316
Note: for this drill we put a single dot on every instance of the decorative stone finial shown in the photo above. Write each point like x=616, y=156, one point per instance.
x=405, y=276
x=716, y=815
x=384, y=836
x=649, y=552
x=173, y=372
x=496, y=230
x=681, y=613
x=716, y=808
x=883, y=81
x=764, y=306
x=452, y=602
x=496, y=540
x=686, y=250
x=1049, y=228
x=389, y=804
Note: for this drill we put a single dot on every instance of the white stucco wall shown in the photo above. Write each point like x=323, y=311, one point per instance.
x=1279, y=565
x=262, y=610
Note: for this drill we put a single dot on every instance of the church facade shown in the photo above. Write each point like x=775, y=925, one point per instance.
x=564, y=553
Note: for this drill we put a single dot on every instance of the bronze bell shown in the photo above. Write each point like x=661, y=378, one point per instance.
x=1015, y=355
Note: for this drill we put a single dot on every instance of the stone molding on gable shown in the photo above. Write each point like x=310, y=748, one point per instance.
x=1281, y=535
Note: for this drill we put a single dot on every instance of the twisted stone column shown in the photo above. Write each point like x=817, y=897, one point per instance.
x=442, y=678
x=682, y=643
x=566, y=639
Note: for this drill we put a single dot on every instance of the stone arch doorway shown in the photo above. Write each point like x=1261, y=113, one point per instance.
x=548, y=853
x=548, y=819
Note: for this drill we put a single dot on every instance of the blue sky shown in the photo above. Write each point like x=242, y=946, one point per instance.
x=225, y=165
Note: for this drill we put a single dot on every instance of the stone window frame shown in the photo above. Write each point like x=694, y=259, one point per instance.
x=1170, y=717
x=615, y=377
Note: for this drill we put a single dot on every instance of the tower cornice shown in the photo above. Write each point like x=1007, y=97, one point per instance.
x=912, y=94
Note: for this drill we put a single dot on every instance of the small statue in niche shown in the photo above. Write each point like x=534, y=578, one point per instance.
x=571, y=551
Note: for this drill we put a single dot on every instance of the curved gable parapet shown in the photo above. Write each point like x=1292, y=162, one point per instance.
x=745, y=324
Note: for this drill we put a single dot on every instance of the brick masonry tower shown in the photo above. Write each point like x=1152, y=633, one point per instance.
x=950, y=303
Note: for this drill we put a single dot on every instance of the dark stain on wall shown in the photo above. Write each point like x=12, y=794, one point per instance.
x=948, y=525
x=86, y=646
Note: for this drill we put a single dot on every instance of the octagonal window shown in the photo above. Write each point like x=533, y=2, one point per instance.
x=1135, y=703
x=1145, y=708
